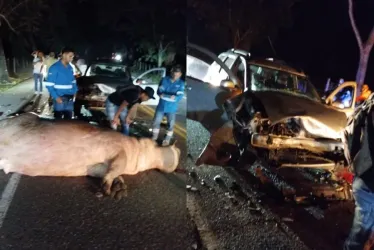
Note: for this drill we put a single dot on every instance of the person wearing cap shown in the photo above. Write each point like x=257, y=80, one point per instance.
x=62, y=85
x=122, y=104
x=171, y=91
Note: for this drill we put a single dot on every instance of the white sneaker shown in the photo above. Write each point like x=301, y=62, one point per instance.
x=36, y=92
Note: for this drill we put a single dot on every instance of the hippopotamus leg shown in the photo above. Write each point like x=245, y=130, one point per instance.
x=115, y=170
x=119, y=188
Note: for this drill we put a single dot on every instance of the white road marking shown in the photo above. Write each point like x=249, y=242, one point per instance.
x=7, y=196
x=207, y=236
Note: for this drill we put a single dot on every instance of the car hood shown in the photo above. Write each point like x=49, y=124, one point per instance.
x=281, y=105
x=109, y=81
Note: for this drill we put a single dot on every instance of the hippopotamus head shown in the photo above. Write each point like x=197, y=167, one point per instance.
x=167, y=156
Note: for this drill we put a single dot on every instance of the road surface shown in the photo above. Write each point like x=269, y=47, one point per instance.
x=64, y=213
x=236, y=210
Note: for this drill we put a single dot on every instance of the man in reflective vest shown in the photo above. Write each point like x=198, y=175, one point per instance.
x=171, y=91
x=62, y=85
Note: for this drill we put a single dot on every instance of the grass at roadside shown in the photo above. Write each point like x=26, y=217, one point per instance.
x=14, y=81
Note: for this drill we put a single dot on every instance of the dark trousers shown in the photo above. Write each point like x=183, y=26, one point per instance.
x=363, y=221
x=65, y=109
x=63, y=115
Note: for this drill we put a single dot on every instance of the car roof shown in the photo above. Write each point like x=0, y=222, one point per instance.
x=277, y=65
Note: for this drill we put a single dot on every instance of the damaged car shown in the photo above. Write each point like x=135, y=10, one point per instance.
x=272, y=110
x=102, y=78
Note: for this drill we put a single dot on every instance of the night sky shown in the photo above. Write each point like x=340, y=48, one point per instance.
x=320, y=39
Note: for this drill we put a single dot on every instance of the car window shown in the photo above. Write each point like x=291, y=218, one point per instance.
x=344, y=97
x=109, y=70
x=223, y=58
x=263, y=78
x=239, y=70
x=153, y=77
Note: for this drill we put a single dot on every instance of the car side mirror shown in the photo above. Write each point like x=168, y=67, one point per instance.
x=227, y=84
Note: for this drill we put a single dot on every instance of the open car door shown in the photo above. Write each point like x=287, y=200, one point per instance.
x=343, y=98
x=216, y=73
x=208, y=98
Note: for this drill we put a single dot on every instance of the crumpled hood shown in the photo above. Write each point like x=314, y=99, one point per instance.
x=282, y=105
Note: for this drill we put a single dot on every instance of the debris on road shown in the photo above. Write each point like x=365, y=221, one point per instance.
x=191, y=188
x=287, y=219
x=99, y=194
x=193, y=174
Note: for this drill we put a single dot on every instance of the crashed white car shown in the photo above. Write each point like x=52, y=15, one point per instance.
x=273, y=109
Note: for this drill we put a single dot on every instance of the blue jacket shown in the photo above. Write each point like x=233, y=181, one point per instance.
x=60, y=80
x=167, y=88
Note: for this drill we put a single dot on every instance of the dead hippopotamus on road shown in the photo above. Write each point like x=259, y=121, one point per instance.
x=33, y=146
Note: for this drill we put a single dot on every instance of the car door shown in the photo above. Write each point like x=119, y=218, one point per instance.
x=343, y=98
x=150, y=78
x=215, y=72
x=206, y=99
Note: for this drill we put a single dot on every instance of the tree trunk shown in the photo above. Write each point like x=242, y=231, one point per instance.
x=362, y=67
x=4, y=76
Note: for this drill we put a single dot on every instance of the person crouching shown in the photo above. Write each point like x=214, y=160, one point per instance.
x=122, y=104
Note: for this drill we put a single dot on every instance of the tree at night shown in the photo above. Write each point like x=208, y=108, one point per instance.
x=19, y=20
x=364, y=48
x=156, y=29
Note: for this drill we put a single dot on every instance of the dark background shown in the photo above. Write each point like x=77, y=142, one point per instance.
x=315, y=35
x=93, y=28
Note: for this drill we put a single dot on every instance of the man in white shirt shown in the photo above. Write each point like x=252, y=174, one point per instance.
x=39, y=68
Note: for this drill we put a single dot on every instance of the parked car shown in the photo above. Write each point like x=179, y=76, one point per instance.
x=274, y=111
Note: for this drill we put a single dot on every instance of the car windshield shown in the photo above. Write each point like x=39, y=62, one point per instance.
x=108, y=70
x=263, y=78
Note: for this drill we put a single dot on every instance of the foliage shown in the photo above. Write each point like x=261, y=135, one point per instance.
x=22, y=15
x=241, y=22
x=151, y=52
x=157, y=24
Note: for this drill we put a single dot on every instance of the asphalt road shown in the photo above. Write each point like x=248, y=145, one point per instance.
x=64, y=213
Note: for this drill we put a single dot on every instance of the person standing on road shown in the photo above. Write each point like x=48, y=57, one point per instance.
x=358, y=138
x=50, y=60
x=62, y=85
x=121, y=105
x=39, y=66
x=171, y=91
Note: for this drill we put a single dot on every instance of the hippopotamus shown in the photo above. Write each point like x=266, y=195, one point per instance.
x=33, y=146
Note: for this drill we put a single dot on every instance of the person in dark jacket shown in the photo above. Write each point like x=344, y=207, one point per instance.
x=121, y=104
x=358, y=140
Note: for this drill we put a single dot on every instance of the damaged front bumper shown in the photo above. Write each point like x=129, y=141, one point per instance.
x=284, y=142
